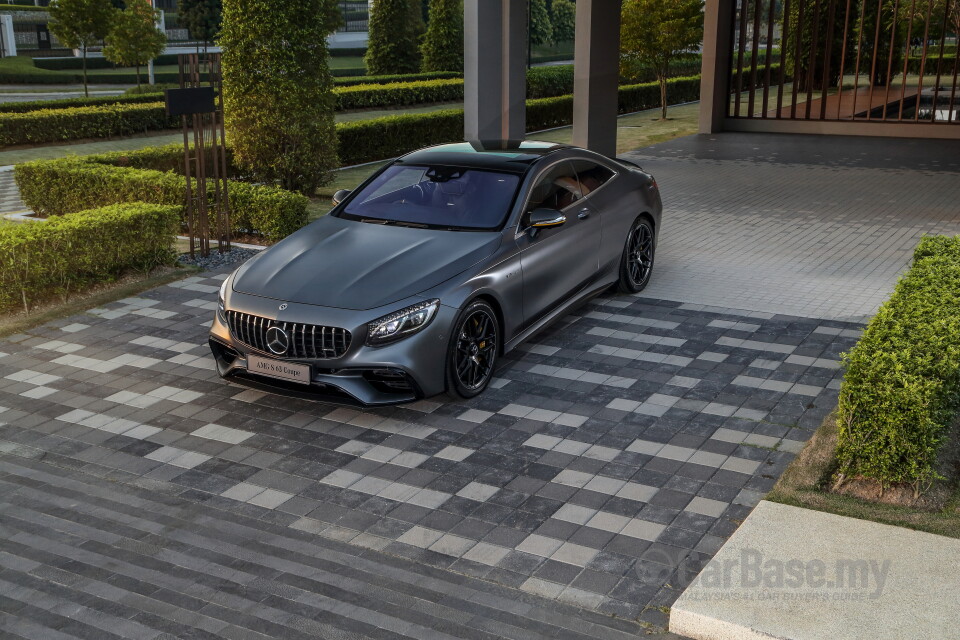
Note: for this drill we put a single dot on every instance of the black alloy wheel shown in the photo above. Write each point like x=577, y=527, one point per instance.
x=636, y=265
x=473, y=350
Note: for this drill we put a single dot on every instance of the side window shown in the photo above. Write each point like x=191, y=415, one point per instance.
x=591, y=175
x=556, y=189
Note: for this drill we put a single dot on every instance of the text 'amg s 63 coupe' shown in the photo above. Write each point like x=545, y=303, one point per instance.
x=420, y=279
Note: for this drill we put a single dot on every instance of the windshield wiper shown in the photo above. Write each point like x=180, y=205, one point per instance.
x=398, y=223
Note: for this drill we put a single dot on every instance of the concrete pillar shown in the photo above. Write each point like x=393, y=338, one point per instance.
x=494, y=73
x=717, y=60
x=515, y=15
x=7, y=41
x=596, y=75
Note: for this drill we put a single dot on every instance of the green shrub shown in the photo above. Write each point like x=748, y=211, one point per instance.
x=442, y=47
x=930, y=67
x=72, y=63
x=20, y=70
x=549, y=81
x=347, y=52
x=152, y=89
x=902, y=381
x=390, y=79
x=397, y=94
x=56, y=125
x=63, y=255
x=278, y=91
x=350, y=72
x=65, y=185
x=557, y=80
x=378, y=138
x=391, y=136
x=21, y=6
x=66, y=103
x=394, y=31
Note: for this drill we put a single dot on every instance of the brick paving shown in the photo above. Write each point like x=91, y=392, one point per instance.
x=808, y=225
x=577, y=497
x=10, y=201
x=611, y=458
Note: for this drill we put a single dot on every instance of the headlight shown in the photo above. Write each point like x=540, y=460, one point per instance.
x=401, y=324
x=221, y=306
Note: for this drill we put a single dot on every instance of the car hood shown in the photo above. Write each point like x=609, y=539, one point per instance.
x=354, y=265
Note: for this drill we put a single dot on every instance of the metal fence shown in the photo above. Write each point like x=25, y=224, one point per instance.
x=846, y=60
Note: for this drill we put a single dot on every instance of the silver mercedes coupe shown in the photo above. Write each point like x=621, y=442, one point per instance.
x=442, y=261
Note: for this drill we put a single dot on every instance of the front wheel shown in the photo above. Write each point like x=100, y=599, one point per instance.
x=472, y=355
x=636, y=264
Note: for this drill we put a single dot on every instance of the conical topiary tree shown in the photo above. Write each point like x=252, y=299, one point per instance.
x=442, y=46
x=395, y=29
x=541, y=30
x=564, y=19
x=278, y=91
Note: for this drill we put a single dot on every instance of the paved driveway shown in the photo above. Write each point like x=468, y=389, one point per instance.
x=809, y=225
x=611, y=458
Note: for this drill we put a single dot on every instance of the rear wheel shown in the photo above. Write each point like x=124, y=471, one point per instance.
x=472, y=355
x=636, y=264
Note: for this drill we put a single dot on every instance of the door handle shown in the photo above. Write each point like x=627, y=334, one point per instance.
x=584, y=213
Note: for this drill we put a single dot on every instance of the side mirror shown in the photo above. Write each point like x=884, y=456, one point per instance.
x=544, y=218
x=340, y=196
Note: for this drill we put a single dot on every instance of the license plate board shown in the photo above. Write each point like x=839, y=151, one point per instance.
x=278, y=369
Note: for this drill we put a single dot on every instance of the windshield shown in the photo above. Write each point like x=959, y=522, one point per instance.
x=436, y=197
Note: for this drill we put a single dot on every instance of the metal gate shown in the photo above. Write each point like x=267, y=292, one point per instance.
x=845, y=60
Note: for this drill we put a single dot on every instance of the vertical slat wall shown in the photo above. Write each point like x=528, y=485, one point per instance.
x=852, y=60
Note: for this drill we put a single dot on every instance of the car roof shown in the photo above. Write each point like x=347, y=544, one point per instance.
x=499, y=155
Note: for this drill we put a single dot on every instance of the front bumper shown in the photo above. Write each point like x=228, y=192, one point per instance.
x=403, y=371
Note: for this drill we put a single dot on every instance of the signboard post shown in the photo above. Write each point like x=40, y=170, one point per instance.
x=199, y=104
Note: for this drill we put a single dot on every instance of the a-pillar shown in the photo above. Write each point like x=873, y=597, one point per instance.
x=495, y=72
x=596, y=75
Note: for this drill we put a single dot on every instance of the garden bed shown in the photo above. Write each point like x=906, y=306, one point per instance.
x=808, y=483
x=99, y=294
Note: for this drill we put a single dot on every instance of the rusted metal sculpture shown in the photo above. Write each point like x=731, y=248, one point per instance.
x=199, y=103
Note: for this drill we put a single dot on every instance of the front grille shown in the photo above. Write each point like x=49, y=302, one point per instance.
x=303, y=340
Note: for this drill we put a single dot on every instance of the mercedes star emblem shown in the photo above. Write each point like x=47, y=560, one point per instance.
x=277, y=340
x=283, y=306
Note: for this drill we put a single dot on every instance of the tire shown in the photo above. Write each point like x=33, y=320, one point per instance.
x=636, y=263
x=473, y=350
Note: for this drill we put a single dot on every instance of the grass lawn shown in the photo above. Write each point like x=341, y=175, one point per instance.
x=559, y=48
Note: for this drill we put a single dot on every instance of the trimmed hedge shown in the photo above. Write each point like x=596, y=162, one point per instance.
x=901, y=387
x=66, y=103
x=930, y=68
x=105, y=117
x=391, y=136
x=557, y=80
x=74, y=63
x=56, y=125
x=64, y=255
x=348, y=72
x=403, y=77
x=347, y=52
x=65, y=185
x=397, y=94
x=22, y=7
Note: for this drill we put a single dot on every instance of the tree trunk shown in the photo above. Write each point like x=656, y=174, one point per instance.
x=86, y=91
x=138, y=77
x=663, y=96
